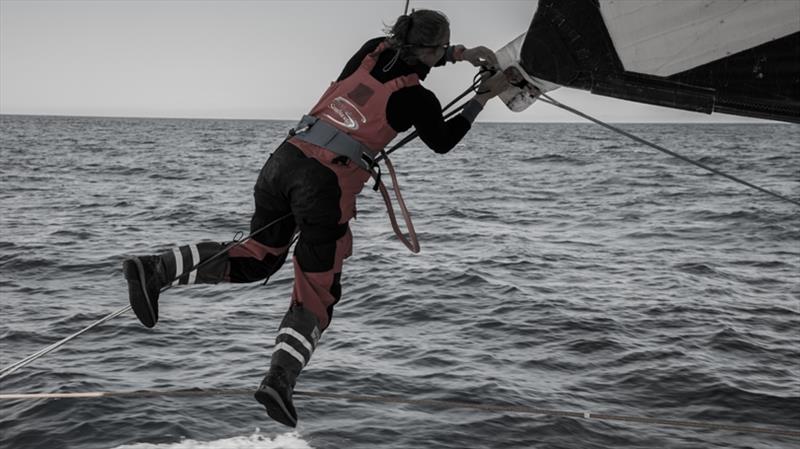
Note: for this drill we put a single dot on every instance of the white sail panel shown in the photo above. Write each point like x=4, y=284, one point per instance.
x=667, y=37
x=516, y=97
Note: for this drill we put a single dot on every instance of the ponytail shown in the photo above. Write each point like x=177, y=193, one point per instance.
x=422, y=26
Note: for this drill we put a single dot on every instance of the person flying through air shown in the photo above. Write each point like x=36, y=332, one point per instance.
x=312, y=180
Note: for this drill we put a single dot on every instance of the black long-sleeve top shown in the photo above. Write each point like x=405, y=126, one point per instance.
x=414, y=105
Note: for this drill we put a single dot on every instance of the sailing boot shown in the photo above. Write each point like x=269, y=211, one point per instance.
x=148, y=275
x=296, y=340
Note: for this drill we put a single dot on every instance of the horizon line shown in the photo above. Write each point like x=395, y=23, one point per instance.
x=744, y=120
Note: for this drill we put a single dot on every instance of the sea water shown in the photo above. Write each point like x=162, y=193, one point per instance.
x=563, y=267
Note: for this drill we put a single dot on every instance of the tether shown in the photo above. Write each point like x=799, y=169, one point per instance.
x=431, y=403
x=411, y=242
x=547, y=99
x=28, y=360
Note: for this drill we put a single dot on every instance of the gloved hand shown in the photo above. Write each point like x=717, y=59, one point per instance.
x=492, y=84
x=480, y=56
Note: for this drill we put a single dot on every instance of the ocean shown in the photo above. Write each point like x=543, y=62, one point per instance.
x=563, y=267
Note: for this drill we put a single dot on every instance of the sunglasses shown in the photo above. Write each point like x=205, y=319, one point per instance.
x=437, y=46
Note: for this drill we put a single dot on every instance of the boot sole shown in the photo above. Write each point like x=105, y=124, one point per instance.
x=276, y=407
x=145, y=312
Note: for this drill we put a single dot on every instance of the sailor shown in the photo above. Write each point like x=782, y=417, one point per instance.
x=314, y=176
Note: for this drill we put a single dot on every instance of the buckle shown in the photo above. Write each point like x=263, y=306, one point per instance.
x=303, y=125
x=375, y=171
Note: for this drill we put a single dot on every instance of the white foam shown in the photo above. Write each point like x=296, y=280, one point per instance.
x=290, y=440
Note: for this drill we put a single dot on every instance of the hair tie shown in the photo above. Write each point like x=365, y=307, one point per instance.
x=408, y=29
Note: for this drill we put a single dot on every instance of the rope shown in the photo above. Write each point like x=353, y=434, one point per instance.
x=547, y=99
x=31, y=358
x=476, y=81
x=431, y=403
x=412, y=242
x=27, y=360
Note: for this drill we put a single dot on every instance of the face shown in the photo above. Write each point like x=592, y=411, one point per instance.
x=433, y=51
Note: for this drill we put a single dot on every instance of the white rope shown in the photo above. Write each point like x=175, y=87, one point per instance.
x=420, y=402
x=28, y=360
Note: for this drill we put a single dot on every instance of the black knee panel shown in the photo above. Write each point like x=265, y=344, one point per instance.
x=316, y=249
x=315, y=258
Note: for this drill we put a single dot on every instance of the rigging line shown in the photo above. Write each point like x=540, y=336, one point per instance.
x=547, y=99
x=412, y=136
x=405, y=13
x=196, y=392
x=446, y=115
x=27, y=360
x=31, y=358
x=476, y=81
x=415, y=133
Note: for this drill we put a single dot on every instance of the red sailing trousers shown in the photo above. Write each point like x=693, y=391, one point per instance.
x=319, y=190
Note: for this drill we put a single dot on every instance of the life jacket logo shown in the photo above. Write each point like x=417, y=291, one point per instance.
x=347, y=114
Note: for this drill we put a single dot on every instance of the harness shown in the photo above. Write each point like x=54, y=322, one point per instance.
x=321, y=133
x=318, y=132
x=350, y=121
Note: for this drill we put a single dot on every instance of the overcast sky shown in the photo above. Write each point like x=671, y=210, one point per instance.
x=240, y=59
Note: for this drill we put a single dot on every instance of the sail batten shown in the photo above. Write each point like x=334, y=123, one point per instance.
x=665, y=38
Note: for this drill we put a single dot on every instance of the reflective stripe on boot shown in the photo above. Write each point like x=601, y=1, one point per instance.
x=180, y=260
x=297, y=338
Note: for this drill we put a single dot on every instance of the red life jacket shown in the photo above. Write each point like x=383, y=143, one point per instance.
x=356, y=105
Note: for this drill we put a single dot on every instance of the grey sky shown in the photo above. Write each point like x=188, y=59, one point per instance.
x=239, y=59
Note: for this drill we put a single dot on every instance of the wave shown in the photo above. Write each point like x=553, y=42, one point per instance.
x=551, y=158
x=291, y=440
x=566, y=271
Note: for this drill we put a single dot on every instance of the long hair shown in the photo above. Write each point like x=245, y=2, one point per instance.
x=421, y=27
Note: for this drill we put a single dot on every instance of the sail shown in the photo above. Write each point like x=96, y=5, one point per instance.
x=737, y=57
